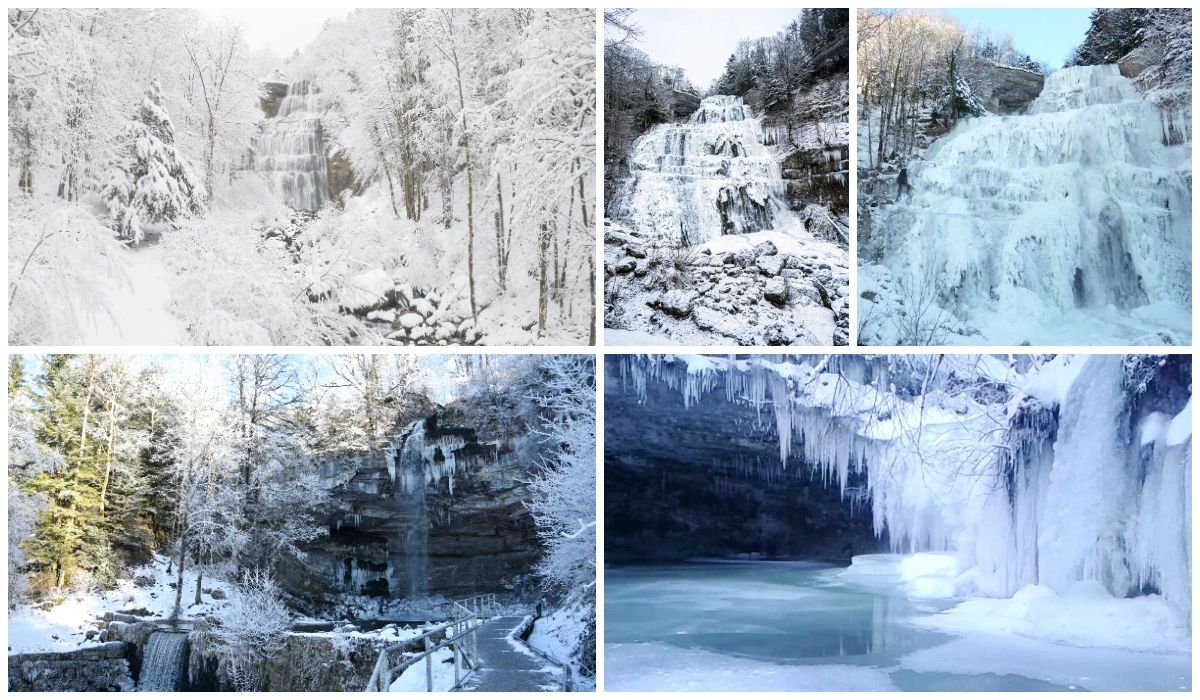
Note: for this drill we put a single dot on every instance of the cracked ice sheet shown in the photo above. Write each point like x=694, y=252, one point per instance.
x=654, y=667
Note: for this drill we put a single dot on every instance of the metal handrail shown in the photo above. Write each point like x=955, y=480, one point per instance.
x=464, y=624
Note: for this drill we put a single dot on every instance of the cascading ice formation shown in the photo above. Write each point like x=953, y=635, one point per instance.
x=162, y=662
x=1061, y=482
x=291, y=151
x=692, y=182
x=1075, y=208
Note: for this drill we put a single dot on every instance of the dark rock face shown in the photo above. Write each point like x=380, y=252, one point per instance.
x=707, y=481
x=820, y=175
x=341, y=178
x=1005, y=90
x=272, y=95
x=456, y=527
x=95, y=669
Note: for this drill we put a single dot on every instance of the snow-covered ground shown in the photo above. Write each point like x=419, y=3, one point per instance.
x=136, y=305
x=148, y=592
x=746, y=626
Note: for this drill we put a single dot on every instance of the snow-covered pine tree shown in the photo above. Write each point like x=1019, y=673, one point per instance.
x=154, y=183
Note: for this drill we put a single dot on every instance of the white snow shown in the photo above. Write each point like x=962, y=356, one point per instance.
x=415, y=678
x=136, y=304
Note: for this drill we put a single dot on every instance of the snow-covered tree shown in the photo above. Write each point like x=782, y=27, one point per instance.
x=153, y=183
x=253, y=627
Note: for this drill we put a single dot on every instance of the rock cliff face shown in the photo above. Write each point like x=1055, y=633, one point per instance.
x=812, y=139
x=705, y=482
x=438, y=513
x=1006, y=90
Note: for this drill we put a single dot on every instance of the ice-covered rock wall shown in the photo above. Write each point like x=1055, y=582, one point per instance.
x=1077, y=204
x=436, y=511
x=291, y=152
x=1071, y=471
x=695, y=181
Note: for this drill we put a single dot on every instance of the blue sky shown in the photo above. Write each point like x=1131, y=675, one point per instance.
x=1046, y=34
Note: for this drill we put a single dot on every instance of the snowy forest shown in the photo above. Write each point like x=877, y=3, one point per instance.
x=411, y=176
x=333, y=522
x=898, y=522
x=726, y=206
x=1005, y=201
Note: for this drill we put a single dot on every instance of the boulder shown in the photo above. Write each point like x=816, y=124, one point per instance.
x=776, y=292
x=677, y=302
x=770, y=265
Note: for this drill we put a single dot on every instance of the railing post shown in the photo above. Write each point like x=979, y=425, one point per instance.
x=457, y=662
x=428, y=664
x=383, y=673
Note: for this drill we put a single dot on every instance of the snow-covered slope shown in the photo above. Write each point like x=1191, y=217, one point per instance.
x=1067, y=225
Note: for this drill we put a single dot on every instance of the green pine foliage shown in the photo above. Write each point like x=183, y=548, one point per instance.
x=97, y=515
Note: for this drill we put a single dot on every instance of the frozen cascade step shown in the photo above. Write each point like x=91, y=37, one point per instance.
x=1077, y=204
x=291, y=150
x=692, y=182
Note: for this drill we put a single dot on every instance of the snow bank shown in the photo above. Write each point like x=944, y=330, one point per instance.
x=1085, y=616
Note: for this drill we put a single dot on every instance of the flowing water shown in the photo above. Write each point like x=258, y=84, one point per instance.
x=801, y=626
x=1075, y=208
x=695, y=181
x=162, y=662
x=291, y=151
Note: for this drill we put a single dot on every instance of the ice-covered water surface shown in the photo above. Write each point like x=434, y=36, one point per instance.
x=777, y=626
x=692, y=182
x=1067, y=225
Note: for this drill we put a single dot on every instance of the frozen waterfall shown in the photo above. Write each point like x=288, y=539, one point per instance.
x=1071, y=479
x=162, y=662
x=692, y=182
x=1076, y=207
x=291, y=151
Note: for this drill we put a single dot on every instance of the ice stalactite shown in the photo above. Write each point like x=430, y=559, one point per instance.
x=692, y=182
x=1076, y=205
x=291, y=151
x=416, y=459
x=1053, y=482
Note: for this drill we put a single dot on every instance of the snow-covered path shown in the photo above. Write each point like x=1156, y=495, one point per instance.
x=136, y=304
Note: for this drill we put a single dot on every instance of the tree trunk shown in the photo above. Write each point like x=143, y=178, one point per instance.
x=179, y=574
x=199, y=583
x=108, y=464
x=501, y=261
x=543, y=281
x=462, y=106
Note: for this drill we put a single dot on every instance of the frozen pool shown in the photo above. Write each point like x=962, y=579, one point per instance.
x=801, y=626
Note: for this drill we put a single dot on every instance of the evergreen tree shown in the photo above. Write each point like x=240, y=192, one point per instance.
x=153, y=184
x=1113, y=32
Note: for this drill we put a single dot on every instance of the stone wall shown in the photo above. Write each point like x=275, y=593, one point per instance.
x=99, y=668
